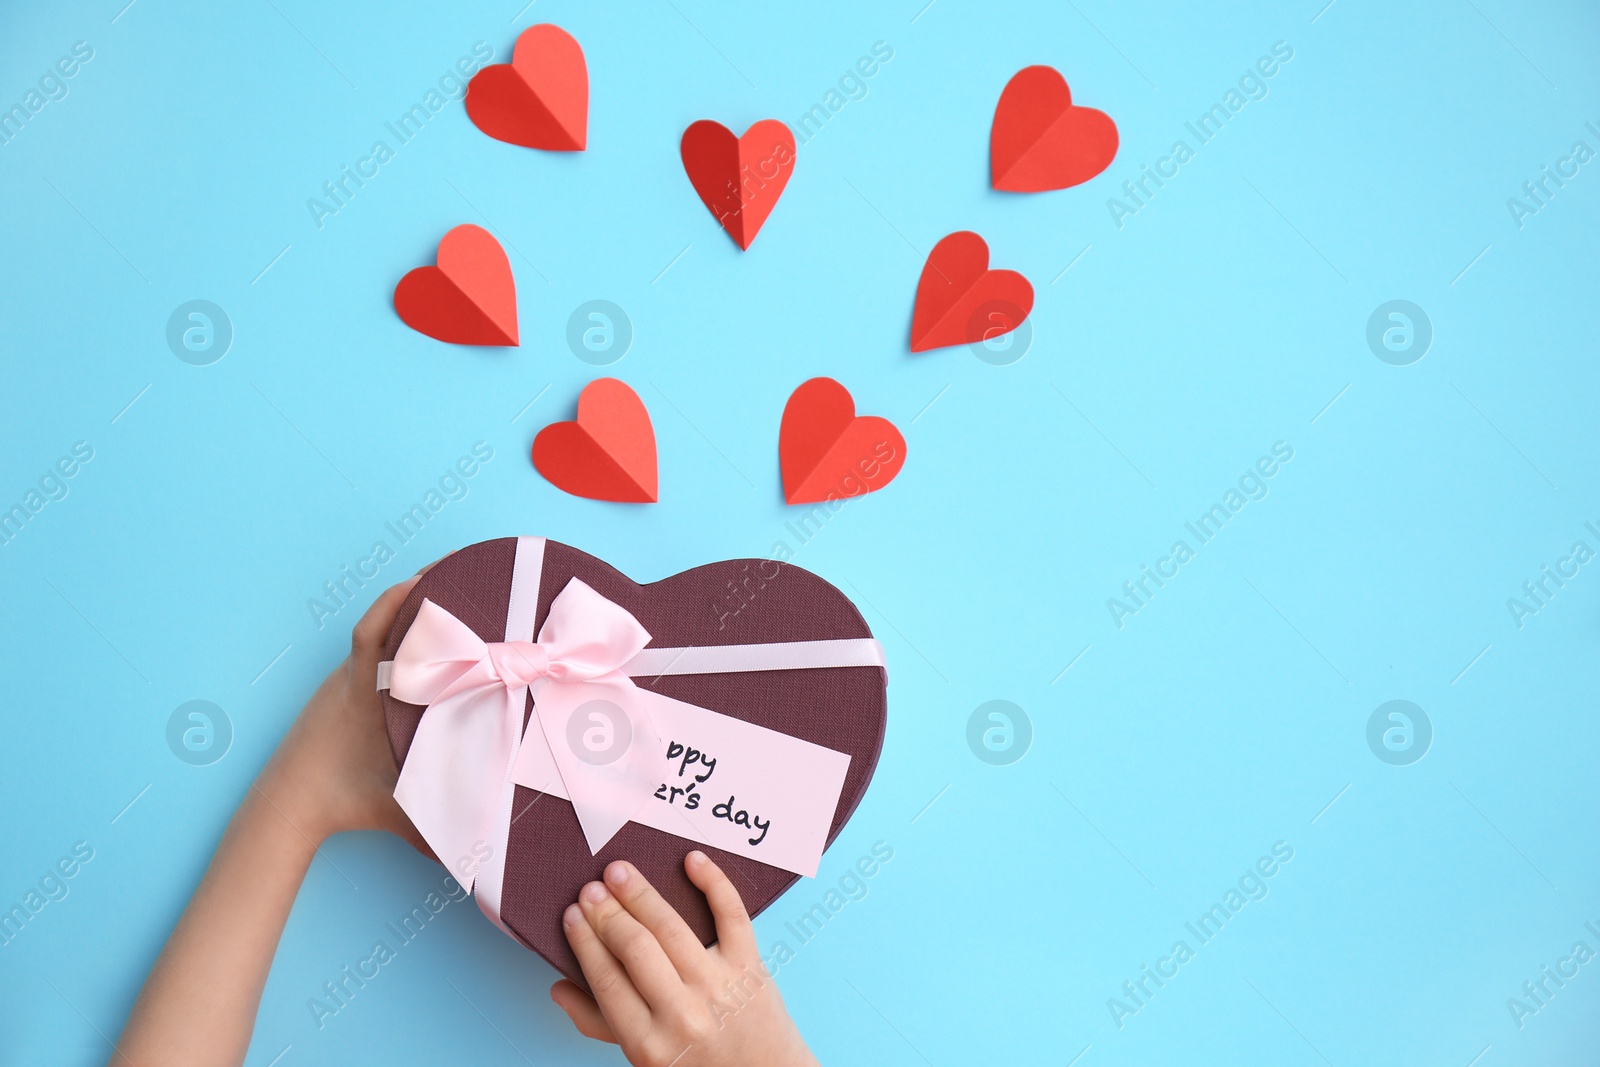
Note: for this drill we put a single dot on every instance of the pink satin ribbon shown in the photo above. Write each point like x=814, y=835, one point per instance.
x=473, y=690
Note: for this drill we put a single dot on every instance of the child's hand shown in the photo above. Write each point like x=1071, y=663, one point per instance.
x=664, y=997
x=335, y=771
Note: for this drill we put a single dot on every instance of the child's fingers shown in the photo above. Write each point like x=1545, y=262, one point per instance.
x=636, y=893
x=625, y=1010
x=734, y=932
x=582, y=1010
x=637, y=948
x=372, y=630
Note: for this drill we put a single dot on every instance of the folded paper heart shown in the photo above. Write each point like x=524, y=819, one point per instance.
x=961, y=301
x=1040, y=140
x=607, y=453
x=540, y=99
x=828, y=452
x=469, y=298
x=639, y=722
x=739, y=179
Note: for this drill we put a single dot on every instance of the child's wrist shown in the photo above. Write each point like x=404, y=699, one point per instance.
x=287, y=800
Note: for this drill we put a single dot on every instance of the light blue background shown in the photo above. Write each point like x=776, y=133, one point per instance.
x=1227, y=715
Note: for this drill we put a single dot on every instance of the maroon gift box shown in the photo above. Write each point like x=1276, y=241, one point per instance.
x=735, y=602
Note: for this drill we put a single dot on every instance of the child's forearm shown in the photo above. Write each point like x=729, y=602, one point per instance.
x=333, y=772
x=198, y=1006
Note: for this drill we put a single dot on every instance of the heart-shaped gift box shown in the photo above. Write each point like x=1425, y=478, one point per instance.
x=744, y=606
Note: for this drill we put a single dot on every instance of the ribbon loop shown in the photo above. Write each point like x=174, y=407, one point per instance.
x=439, y=658
x=588, y=636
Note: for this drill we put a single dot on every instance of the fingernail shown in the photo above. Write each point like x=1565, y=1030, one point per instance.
x=594, y=893
x=697, y=857
x=572, y=915
x=617, y=873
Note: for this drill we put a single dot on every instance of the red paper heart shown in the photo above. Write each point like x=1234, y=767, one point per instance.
x=540, y=99
x=608, y=453
x=960, y=300
x=828, y=452
x=470, y=298
x=739, y=178
x=1040, y=141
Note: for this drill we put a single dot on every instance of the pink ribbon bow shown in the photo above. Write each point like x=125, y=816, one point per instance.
x=469, y=740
